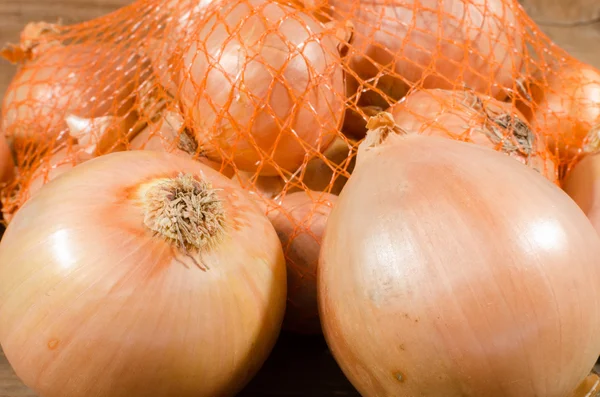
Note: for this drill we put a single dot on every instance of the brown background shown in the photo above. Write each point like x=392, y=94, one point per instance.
x=312, y=372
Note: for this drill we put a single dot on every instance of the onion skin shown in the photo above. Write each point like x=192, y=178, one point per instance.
x=162, y=135
x=266, y=187
x=590, y=387
x=453, y=38
x=165, y=135
x=63, y=80
x=582, y=184
x=300, y=222
x=100, y=305
x=329, y=172
x=7, y=165
x=475, y=118
x=565, y=106
x=460, y=286
x=285, y=103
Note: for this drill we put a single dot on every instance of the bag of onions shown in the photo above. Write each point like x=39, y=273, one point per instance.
x=184, y=178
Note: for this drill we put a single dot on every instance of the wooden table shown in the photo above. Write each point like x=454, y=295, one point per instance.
x=298, y=367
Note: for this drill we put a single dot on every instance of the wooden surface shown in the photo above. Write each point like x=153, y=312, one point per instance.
x=298, y=367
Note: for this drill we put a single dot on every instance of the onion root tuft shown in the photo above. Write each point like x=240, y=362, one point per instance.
x=185, y=210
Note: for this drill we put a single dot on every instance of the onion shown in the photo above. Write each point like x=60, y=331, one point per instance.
x=448, y=269
x=164, y=280
x=565, y=106
x=590, y=387
x=582, y=184
x=267, y=187
x=329, y=172
x=168, y=134
x=436, y=44
x=34, y=38
x=7, y=165
x=52, y=166
x=300, y=221
x=263, y=85
x=319, y=8
x=469, y=117
x=181, y=15
x=85, y=80
x=104, y=134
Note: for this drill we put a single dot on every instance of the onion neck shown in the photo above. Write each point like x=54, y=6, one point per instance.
x=380, y=128
x=521, y=139
x=186, y=142
x=592, y=141
x=186, y=211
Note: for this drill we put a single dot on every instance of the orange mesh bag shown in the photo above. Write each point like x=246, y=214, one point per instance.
x=277, y=96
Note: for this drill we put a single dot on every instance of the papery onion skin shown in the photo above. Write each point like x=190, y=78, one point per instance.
x=161, y=135
x=451, y=44
x=329, y=171
x=564, y=106
x=483, y=281
x=7, y=164
x=479, y=119
x=590, y=387
x=168, y=134
x=100, y=305
x=289, y=98
x=300, y=222
x=582, y=184
x=79, y=79
x=266, y=187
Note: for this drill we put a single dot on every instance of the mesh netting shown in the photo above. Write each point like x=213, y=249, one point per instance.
x=277, y=94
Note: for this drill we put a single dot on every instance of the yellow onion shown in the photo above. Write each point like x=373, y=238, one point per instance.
x=300, y=221
x=140, y=274
x=7, y=165
x=180, y=18
x=590, y=387
x=266, y=187
x=564, y=106
x=449, y=269
x=435, y=44
x=262, y=84
x=85, y=80
x=168, y=134
x=475, y=118
x=101, y=135
x=52, y=166
x=582, y=184
x=329, y=171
